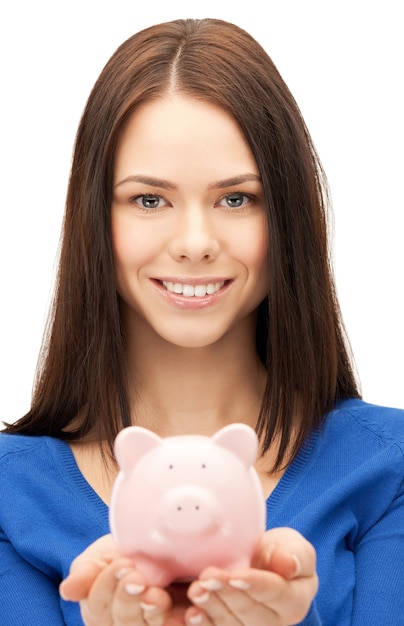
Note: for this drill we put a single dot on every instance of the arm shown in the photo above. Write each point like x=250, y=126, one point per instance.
x=379, y=591
x=27, y=595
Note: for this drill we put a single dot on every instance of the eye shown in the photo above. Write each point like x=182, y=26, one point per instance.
x=203, y=466
x=235, y=200
x=149, y=201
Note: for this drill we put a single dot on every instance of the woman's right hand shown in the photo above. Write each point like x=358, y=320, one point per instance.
x=112, y=592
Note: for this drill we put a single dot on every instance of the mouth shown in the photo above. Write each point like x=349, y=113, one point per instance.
x=189, y=290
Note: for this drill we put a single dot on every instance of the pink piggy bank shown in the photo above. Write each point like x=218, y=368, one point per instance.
x=182, y=503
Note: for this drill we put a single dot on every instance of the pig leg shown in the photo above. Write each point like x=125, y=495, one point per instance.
x=156, y=574
x=241, y=563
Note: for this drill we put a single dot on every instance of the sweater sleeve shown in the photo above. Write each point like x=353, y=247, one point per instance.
x=28, y=596
x=379, y=591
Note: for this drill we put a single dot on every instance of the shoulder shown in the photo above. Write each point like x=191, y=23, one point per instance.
x=28, y=452
x=355, y=462
x=14, y=444
x=358, y=436
x=384, y=425
x=10, y=443
x=29, y=474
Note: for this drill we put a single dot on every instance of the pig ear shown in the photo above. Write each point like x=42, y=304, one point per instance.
x=239, y=439
x=131, y=444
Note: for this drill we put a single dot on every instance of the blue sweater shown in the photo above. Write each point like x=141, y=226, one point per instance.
x=344, y=492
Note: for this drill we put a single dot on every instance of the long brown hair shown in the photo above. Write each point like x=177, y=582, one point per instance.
x=80, y=384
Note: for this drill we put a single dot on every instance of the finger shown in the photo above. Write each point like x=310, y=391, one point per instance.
x=205, y=595
x=285, y=551
x=78, y=584
x=248, y=610
x=196, y=617
x=253, y=596
x=266, y=595
x=225, y=597
x=97, y=606
x=134, y=603
x=86, y=567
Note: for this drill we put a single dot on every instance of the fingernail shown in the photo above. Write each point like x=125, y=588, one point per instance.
x=204, y=597
x=133, y=589
x=196, y=619
x=62, y=592
x=298, y=565
x=147, y=607
x=237, y=583
x=122, y=572
x=211, y=584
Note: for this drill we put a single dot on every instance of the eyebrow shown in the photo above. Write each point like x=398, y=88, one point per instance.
x=234, y=180
x=147, y=180
x=165, y=184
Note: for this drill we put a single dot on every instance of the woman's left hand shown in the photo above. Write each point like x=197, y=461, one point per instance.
x=277, y=590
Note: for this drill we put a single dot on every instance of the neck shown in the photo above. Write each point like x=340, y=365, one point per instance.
x=195, y=390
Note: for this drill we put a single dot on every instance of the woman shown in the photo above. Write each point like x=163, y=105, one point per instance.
x=195, y=290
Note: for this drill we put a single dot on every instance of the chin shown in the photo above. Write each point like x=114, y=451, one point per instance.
x=192, y=340
x=192, y=343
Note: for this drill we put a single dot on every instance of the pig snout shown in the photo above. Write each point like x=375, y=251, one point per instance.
x=190, y=510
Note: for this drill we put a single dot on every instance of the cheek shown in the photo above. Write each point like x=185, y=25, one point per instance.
x=261, y=249
x=253, y=247
x=122, y=247
x=128, y=257
x=130, y=246
x=255, y=251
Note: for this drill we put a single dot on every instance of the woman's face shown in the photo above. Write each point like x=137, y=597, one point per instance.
x=188, y=222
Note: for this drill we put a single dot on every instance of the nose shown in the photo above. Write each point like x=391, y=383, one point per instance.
x=195, y=239
x=190, y=510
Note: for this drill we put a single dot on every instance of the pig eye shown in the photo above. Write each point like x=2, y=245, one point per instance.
x=203, y=466
x=171, y=467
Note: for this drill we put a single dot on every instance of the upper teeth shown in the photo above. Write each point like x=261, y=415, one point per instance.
x=193, y=290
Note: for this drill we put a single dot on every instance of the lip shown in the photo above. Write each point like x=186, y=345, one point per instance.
x=204, y=280
x=191, y=302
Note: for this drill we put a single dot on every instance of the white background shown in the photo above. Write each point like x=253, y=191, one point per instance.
x=343, y=61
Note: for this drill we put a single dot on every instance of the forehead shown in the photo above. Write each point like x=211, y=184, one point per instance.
x=178, y=130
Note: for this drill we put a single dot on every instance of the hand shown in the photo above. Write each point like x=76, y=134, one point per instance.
x=112, y=593
x=277, y=590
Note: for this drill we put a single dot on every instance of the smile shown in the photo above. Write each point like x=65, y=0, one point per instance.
x=189, y=291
